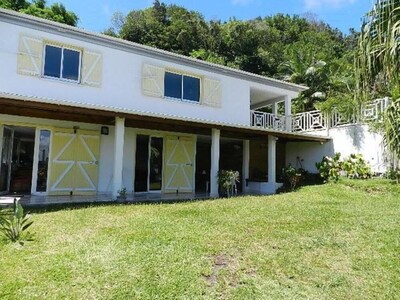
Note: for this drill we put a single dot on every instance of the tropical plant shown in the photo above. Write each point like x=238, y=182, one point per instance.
x=378, y=64
x=227, y=180
x=14, y=225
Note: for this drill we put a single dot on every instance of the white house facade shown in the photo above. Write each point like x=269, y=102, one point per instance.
x=86, y=114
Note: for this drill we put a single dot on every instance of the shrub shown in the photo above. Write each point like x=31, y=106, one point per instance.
x=14, y=226
x=330, y=167
x=227, y=180
x=393, y=174
x=356, y=167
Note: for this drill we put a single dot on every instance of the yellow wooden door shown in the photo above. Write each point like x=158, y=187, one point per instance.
x=74, y=162
x=179, y=164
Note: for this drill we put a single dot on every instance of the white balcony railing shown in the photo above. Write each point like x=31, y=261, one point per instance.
x=268, y=121
x=316, y=119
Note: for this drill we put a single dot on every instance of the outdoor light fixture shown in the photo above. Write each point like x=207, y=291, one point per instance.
x=104, y=130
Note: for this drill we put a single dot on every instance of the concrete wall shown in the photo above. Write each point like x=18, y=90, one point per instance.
x=346, y=140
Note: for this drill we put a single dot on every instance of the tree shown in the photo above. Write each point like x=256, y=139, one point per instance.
x=56, y=12
x=378, y=64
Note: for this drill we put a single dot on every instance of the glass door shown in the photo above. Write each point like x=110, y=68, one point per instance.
x=149, y=162
x=6, y=157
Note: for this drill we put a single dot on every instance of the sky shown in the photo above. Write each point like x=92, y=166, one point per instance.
x=95, y=15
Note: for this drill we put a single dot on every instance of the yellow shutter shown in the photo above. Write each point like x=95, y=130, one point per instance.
x=212, y=92
x=179, y=164
x=92, y=68
x=30, y=55
x=74, y=162
x=153, y=81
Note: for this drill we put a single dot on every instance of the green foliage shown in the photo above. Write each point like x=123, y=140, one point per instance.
x=287, y=47
x=55, y=12
x=14, y=225
x=378, y=64
x=227, y=180
x=393, y=174
x=354, y=167
x=329, y=168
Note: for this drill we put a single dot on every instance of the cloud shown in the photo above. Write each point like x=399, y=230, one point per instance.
x=315, y=4
x=241, y=2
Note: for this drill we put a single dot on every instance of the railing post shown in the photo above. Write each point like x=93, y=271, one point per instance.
x=288, y=113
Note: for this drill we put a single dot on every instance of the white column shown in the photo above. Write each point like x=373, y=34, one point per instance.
x=118, y=155
x=246, y=163
x=288, y=113
x=215, y=135
x=272, y=159
x=275, y=108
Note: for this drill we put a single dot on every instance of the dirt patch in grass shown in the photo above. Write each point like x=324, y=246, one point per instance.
x=220, y=261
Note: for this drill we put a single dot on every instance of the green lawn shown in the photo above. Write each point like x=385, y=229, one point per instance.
x=329, y=241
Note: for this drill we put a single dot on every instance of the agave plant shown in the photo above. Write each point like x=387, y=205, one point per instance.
x=378, y=64
x=14, y=226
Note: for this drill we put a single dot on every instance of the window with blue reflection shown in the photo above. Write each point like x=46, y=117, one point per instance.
x=61, y=63
x=191, y=88
x=173, y=85
x=70, y=68
x=52, y=61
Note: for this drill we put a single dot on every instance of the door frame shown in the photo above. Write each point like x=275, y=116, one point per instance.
x=150, y=135
x=3, y=126
x=36, y=161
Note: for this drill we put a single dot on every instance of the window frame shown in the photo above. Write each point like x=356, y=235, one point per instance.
x=62, y=47
x=182, y=99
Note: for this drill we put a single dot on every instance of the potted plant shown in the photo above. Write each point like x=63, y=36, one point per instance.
x=121, y=195
x=227, y=180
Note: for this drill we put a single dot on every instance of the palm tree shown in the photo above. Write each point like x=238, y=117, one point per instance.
x=378, y=64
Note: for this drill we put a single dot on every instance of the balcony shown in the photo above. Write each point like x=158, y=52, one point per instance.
x=316, y=119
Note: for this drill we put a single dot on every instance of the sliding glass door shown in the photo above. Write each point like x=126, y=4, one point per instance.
x=149, y=161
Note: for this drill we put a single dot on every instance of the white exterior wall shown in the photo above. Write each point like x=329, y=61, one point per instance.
x=121, y=83
x=347, y=140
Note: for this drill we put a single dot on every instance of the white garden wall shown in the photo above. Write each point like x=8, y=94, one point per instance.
x=346, y=140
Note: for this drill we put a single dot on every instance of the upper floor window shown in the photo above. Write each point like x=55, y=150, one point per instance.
x=63, y=63
x=181, y=87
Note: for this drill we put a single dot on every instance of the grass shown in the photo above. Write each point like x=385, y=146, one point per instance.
x=331, y=241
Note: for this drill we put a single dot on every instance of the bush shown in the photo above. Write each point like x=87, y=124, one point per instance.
x=393, y=174
x=330, y=167
x=14, y=225
x=355, y=167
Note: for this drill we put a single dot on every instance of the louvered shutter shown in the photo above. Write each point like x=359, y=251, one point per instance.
x=153, y=81
x=92, y=68
x=30, y=56
x=212, y=92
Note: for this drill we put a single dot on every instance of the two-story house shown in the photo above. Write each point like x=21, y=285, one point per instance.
x=85, y=114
